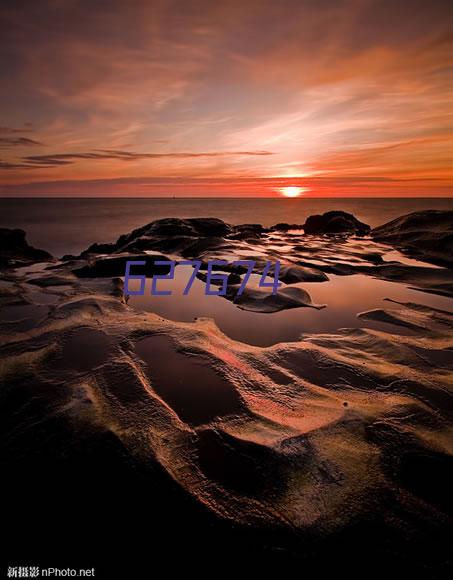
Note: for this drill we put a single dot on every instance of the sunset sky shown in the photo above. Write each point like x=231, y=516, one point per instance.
x=226, y=98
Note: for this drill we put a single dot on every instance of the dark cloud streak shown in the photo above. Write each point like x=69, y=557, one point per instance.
x=59, y=159
x=6, y=142
x=13, y=130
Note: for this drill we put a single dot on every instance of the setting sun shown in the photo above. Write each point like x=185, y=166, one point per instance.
x=292, y=191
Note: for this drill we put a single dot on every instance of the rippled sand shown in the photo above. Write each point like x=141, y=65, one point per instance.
x=311, y=437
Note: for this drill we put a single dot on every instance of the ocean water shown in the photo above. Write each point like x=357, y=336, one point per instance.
x=68, y=226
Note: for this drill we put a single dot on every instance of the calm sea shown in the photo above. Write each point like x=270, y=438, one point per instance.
x=70, y=225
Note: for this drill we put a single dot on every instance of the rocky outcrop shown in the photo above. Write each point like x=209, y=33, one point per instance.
x=256, y=300
x=247, y=231
x=295, y=274
x=116, y=266
x=427, y=235
x=15, y=250
x=335, y=222
x=194, y=237
x=173, y=235
x=175, y=227
x=284, y=227
x=304, y=258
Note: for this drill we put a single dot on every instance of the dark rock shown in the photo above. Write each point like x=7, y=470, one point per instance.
x=373, y=257
x=245, y=235
x=283, y=227
x=234, y=278
x=99, y=249
x=174, y=244
x=167, y=234
x=133, y=235
x=116, y=266
x=15, y=250
x=246, y=232
x=47, y=281
x=294, y=274
x=425, y=235
x=210, y=226
x=203, y=245
x=194, y=227
x=164, y=228
x=257, y=300
x=171, y=227
x=335, y=222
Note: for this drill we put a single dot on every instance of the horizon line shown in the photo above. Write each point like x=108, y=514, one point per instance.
x=172, y=198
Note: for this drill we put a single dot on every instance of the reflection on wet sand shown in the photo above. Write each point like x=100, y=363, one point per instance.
x=196, y=392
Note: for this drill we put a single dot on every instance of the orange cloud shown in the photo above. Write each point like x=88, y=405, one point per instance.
x=337, y=91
